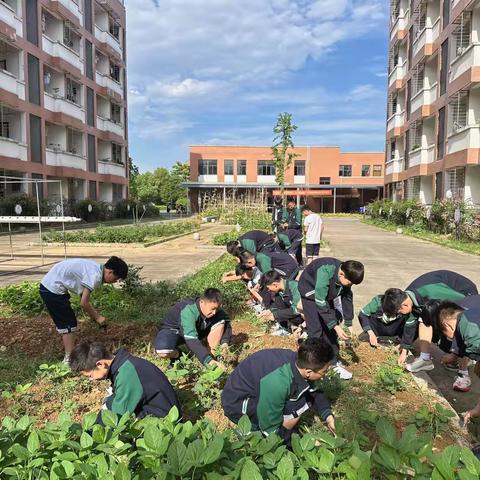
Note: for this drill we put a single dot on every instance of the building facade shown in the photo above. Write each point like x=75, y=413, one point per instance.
x=63, y=102
x=328, y=179
x=433, y=124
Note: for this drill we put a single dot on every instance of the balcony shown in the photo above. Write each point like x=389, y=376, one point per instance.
x=426, y=37
x=468, y=137
x=241, y=179
x=10, y=83
x=397, y=74
x=466, y=59
x=109, y=39
x=394, y=165
x=57, y=158
x=58, y=49
x=108, y=125
x=421, y=156
x=13, y=149
x=109, y=83
x=424, y=97
x=395, y=121
x=106, y=167
x=62, y=105
x=399, y=25
x=9, y=16
x=73, y=7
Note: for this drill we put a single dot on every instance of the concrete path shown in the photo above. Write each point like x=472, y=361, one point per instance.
x=166, y=261
x=393, y=260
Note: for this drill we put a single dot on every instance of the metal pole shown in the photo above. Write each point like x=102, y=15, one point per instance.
x=39, y=223
x=63, y=222
x=10, y=235
x=334, y=200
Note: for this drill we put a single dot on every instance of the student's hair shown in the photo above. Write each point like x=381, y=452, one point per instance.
x=234, y=248
x=314, y=354
x=429, y=312
x=354, y=271
x=118, y=266
x=306, y=208
x=85, y=356
x=392, y=300
x=212, y=295
x=270, y=277
x=446, y=310
x=241, y=269
x=291, y=200
x=245, y=256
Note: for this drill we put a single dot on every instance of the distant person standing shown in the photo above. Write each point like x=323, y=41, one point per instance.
x=291, y=217
x=313, y=227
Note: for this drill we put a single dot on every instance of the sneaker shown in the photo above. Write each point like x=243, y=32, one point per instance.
x=462, y=384
x=451, y=367
x=258, y=309
x=278, y=331
x=342, y=372
x=66, y=359
x=419, y=364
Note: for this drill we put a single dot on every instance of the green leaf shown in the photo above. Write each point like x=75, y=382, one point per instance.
x=213, y=450
x=86, y=440
x=464, y=474
x=33, y=442
x=285, y=468
x=122, y=473
x=472, y=464
x=20, y=452
x=69, y=467
x=386, y=432
x=444, y=468
x=89, y=421
x=327, y=459
x=250, y=471
x=152, y=436
x=109, y=418
x=173, y=415
x=195, y=453
x=245, y=425
x=176, y=458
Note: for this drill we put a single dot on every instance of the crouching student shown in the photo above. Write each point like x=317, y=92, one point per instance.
x=291, y=242
x=282, y=302
x=462, y=327
x=80, y=276
x=253, y=241
x=282, y=262
x=376, y=323
x=275, y=387
x=437, y=285
x=252, y=278
x=138, y=386
x=192, y=320
x=326, y=290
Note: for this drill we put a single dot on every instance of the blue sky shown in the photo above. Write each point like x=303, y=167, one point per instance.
x=220, y=71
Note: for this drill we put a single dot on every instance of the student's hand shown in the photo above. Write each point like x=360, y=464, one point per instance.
x=402, y=358
x=216, y=363
x=449, y=358
x=341, y=334
x=372, y=338
x=267, y=316
x=101, y=320
x=474, y=412
x=330, y=421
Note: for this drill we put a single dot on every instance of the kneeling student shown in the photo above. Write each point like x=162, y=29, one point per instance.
x=191, y=320
x=138, y=385
x=275, y=387
x=282, y=262
x=80, y=276
x=462, y=327
x=281, y=299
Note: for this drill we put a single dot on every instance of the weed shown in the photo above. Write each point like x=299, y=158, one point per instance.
x=432, y=420
x=390, y=377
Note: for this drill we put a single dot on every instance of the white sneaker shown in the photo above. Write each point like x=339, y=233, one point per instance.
x=419, y=364
x=66, y=359
x=342, y=372
x=278, y=331
x=462, y=384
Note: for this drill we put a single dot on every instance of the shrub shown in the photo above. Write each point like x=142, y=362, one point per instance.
x=224, y=238
x=28, y=204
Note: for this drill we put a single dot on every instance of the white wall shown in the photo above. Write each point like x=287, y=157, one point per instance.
x=426, y=190
x=472, y=185
x=103, y=107
x=104, y=151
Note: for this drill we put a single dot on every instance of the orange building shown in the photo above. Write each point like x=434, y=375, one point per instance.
x=330, y=180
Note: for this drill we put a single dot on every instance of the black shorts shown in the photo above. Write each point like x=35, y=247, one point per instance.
x=60, y=310
x=312, y=249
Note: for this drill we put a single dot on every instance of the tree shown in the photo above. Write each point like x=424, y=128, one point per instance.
x=173, y=191
x=282, y=142
x=133, y=174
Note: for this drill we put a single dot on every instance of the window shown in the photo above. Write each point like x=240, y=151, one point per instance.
x=228, y=167
x=444, y=68
x=73, y=91
x=89, y=60
x=446, y=13
x=412, y=188
x=393, y=148
x=266, y=167
x=241, y=167
x=299, y=168
x=324, y=181
x=458, y=110
x=415, y=136
x=35, y=139
x=73, y=141
x=207, y=167
x=345, y=171
x=90, y=107
x=377, y=170
x=418, y=78
x=117, y=153
x=113, y=28
x=392, y=105
x=115, y=113
x=462, y=34
x=87, y=15
x=441, y=133
x=92, y=189
x=456, y=183
x=31, y=10
x=115, y=72
x=365, y=170
x=33, y=80
x=92, y=164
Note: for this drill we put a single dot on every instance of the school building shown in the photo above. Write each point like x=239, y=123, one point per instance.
x=324, y=177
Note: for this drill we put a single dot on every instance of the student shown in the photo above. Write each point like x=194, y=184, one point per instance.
x=462, y=327
x=282, y=262
x=253, y=241
x=275, y=387
x=252, y=278
x=327, y=299
x=436, y=285
x=138, y=385
x=376, y=323
x=277, y=213
x=313, y=226
x=80, y=276
x=291, y=242
x=282, y=301
x=191, y=320
x=291, y=217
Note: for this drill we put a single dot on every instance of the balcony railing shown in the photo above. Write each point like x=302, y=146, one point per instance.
x=395, y=121
x=467, y=58
x=426, y=36
x=426, y=96
x=468, y=137
x=108, y=82
x=73, y=7
x=10, y=83
x=398, y=73
x=111, y=168
x=9, y=16
x=399, y=24
x=108, y=125
x=109, y=39
x=421, y=156
x=394, y=166
x=58, y=158
x=62, y=105
x=13, y=149
x=58, y=49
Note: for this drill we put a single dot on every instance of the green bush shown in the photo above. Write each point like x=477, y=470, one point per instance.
x=254, y=217
x=151, y=448
x=224, y=238
x=28, y=204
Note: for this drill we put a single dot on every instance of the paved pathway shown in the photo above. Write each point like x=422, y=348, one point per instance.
x=393, y=260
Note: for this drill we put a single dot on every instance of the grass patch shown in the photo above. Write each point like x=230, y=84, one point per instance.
x=467, y=246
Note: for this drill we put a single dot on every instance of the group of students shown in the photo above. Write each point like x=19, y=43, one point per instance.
x=273, y=387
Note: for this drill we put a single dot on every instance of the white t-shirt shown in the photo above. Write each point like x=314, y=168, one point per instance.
x=314, y=230
x=73, y=275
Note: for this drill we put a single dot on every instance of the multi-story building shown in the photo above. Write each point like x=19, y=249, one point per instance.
x=63, y=103
x=433, y=125
x=328, y=179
